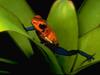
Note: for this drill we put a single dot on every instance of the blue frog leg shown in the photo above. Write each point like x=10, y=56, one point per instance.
x=30, y=28
x=62, y=51
x=86, y=55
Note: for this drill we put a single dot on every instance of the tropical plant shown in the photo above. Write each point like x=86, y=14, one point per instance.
x=74, y=29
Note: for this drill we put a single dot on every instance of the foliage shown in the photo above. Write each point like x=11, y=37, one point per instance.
x=74, y=31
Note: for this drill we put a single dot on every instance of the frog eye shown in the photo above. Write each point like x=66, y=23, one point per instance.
x=42, y=26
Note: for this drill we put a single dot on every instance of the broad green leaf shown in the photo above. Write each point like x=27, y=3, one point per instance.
x=89, y=16
x=89, y=20
x=63, y=20
x=21, y=10
x=9, y=22
x=90, y=43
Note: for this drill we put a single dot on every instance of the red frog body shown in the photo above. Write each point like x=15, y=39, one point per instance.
x=44, y=31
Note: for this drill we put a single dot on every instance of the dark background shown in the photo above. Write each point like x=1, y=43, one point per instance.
x=36, y=64
x=42, y=7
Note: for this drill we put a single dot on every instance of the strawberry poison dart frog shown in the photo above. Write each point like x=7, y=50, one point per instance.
x=48, y=37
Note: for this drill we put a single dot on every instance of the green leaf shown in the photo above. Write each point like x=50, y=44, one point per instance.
x=89, y=16
x=23, y=12
x=9, y=22
x=90, y=43
x=25, y=18
x=89, y=30
x=63, y=20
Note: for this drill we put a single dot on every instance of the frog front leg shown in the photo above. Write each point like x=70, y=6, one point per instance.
x=29, y=28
